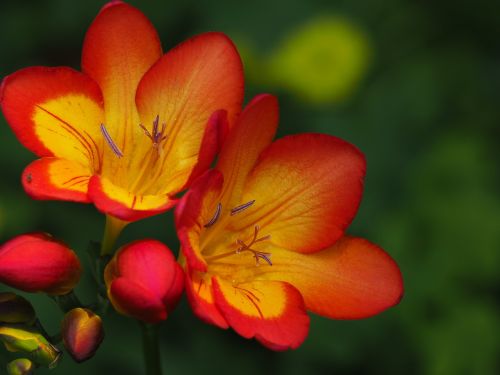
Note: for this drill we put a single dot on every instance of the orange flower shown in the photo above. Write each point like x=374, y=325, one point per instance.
x=263, y=234
x=135, y=127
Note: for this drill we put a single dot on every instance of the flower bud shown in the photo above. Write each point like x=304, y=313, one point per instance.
x=36, y=262
x=21, y=366
x=15, y=309
x=144, y=281
x=27, y=340
x=82, y=333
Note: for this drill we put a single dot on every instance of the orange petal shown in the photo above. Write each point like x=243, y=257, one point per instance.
x=184, y=88
x=198, y=210
x=123, y=204
x=55, y=112
x=253, y=132
x=120, y=46
x=353, y=279
x=53, y=178
x=271, y=311
x=200, y=296
x=307, y=189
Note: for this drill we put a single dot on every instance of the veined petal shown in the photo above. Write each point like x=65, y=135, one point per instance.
x=271, y=311
x=184, y=88
x=55, y=112
x=198, y=209
x=120, y=46
x=307, y=189
x=123, y=204
x=54, y=178
x=200, y=296
x=253, y=132
x=353, y=279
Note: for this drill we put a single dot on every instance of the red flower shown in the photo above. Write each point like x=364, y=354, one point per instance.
x=263, y=234
x=135, y=127
x=36, y=262
x=144, y=281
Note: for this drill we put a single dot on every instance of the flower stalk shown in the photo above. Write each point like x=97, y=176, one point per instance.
x=112, y=231
x=151, y=348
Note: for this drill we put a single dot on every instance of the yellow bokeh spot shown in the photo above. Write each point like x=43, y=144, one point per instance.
x=322, y=61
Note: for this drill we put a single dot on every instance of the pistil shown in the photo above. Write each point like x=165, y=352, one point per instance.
x=243, y=247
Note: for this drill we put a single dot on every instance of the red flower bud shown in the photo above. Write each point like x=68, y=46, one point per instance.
x=82, y=333
x=36, y=262
x=144, y=281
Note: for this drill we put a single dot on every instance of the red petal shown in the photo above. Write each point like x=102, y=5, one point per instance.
x=196, y=210
x=54, y=112
x=200, y=296
x=53, y=178
x=184, y=88
x=133, y=300
x=120, y=46
x=125, y=205
x=253, y=132
x=271, y=311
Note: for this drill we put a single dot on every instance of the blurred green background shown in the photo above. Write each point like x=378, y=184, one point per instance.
x=415, y=85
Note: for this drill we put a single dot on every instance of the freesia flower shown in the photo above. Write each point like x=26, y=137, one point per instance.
x=263, y=234
x=135, y=126
x=36, y=262
x=144, y=281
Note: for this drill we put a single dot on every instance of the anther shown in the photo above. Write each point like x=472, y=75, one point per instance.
x=214, y=218
x=242, y=207
x=110, y=141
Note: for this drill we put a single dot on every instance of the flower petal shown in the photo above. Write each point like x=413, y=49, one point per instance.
x=55, y=112
x=124, y=205
x=197, y=211
x=271, y=311
x=212, y=141
x=131, y=299
x=307, y=189
x=120, y=46
x=353, y=279
x=54, y=178
x=184, y=88
x=253, y=132
x=200, y=296
x=148, y=263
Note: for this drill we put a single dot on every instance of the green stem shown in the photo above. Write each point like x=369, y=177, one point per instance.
x=151, y=348
x=67, y=302
x=112, y=231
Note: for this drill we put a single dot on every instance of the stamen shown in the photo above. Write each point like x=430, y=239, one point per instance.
x=156, y=137
x=110, y=141
x=214, y=218
x=241, y=208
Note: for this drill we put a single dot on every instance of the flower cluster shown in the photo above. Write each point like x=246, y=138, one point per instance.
x=262, y=233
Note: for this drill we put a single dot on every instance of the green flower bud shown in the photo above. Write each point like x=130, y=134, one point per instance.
x=21, y=366
x=27, y=340
x=15, y=309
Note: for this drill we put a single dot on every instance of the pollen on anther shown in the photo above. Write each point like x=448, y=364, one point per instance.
x=216, y=216
x=110, y=141
x=242, y=207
